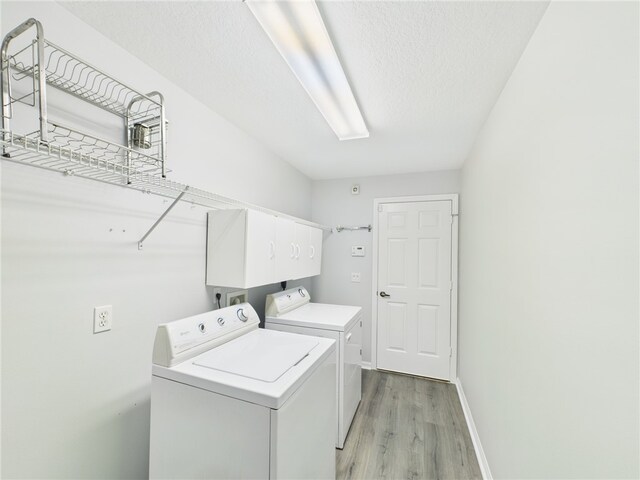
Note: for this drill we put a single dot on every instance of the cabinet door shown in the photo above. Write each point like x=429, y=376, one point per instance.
x=314, y=251
x=260, y=249
x=226, y=248
x=302, y=247
x=285, y=249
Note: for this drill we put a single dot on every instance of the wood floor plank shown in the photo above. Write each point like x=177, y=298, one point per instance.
x=410, y=428
x=356, y=458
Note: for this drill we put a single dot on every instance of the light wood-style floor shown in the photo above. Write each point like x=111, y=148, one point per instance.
x=407, y=428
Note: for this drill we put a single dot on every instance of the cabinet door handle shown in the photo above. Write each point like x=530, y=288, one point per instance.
x=293, y=251
x=349, y=336
x=313, y=251
x=297, y=251
x=272, y=249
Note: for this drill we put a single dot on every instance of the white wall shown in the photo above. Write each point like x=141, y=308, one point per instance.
x=74, y=404
x=549, y=254
x=333, y=204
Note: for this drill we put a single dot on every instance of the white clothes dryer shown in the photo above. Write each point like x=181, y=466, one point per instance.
x=229, y=400
x=292, y=311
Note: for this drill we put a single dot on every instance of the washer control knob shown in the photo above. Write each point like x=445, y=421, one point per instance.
x=221, y=321
x=242, y=316
x=301, y=292
x=202, y=328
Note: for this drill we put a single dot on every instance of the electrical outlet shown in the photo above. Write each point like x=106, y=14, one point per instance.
x=355, y=277
x=218, y=291
x=236, y=298
x=102, y=318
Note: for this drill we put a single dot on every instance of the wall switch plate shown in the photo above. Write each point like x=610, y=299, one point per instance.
x=355, y=189
x=355, y=277
x=102, y=318
x=357, y=251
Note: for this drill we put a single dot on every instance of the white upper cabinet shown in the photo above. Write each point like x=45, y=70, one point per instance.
x=285, y=248
x=315, y=251
x=248, y=248
x=298, y=250
x=301, y=267
x=260, y=265
x=241, y=248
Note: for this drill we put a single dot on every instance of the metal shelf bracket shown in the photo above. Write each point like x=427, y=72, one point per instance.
x=166, y=212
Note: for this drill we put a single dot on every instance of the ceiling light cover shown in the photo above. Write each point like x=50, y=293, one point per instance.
x=298, y=32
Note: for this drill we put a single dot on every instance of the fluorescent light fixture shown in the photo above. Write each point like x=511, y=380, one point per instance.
x=298, y=32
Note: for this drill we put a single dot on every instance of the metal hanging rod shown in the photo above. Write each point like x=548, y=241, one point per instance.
x=340, y=228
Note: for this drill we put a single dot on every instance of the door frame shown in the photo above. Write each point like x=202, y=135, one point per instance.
x=453, y=198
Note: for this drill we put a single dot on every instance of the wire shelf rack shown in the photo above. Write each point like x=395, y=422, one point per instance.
x=27, y=150
x=140, y=165
x=67, y=72
x=46, y=64
x=62, y=137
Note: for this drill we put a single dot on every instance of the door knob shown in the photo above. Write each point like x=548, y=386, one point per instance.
x=383, y=294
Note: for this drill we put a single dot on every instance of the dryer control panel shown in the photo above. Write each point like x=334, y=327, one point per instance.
x=285, y=301
x=184, y=339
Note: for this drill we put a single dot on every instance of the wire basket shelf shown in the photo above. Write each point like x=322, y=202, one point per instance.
x=25, y=149
x=61, y=137
x=77, y=77
x=40, y=64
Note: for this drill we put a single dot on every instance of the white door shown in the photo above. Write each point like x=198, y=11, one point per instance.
x=414, y=288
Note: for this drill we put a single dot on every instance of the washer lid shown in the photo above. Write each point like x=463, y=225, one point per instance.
x=320, y=315
x=258, y=357
x=269, y=394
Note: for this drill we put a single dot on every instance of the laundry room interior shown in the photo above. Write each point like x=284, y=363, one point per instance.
x=320, y=239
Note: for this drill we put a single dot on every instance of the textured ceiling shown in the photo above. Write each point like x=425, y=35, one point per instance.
x=425, y=74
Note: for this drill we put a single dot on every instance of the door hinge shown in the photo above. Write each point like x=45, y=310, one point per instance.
x=380, y=208
x=450, y=351
x=360, y=351
x=450, y=286
x=360, y=322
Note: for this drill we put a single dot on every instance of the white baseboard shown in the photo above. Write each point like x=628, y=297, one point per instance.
x=366, y=365
x=477, y=446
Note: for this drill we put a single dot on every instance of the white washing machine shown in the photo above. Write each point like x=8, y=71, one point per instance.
x=229, y=400
x=292, y=311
